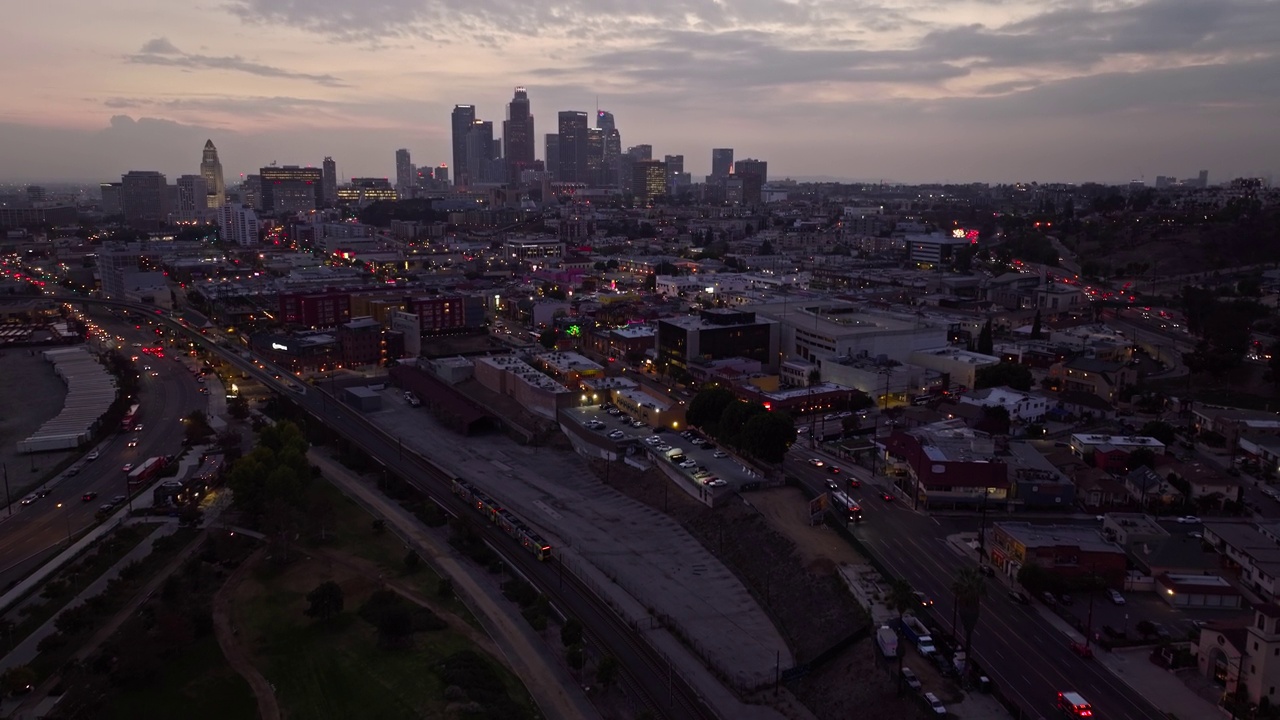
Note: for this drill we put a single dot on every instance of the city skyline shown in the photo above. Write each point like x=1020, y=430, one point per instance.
x=905, y=92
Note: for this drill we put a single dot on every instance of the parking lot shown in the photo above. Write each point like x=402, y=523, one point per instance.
x=610, y=423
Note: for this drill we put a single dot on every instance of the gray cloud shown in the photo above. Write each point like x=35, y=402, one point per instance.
x=160, y=51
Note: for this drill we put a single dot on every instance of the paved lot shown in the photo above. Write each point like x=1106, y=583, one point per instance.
x=644, y=552
x=33, y=394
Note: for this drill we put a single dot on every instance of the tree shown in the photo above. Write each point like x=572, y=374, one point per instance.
x=1142, y=457
x=18, y=679
x=607, y=671
x=985, y=344
x=768, y=436
x=1036, y=334
x=571, y=632
x=576, y=657
x=197, y=427
x=995, y=420
x=734, y=419
x=1162, y=431
x=707, y=407
x=1034, y=577
x=238, y=406
x=325, y=601
x=970, y=587
x=1014, y=375
x=395, y=626
x=549, y=338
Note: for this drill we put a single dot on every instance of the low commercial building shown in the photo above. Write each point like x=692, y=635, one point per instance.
x=1103, y=378
x=569, y=368
x=950, y=465
x=715, y=335
x=1252, y=556
x=1204, y=592
x=300, y=352
x=1069, y=551
x=961, y=365
x=1022, y=406
x=511, y=376
x=652, y=410
x=1083, y=444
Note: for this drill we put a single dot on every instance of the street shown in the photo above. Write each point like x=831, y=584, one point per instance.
x=1028, y=660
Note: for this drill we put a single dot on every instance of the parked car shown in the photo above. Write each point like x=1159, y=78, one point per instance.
x=935, y=705
x=1081, y=649
x=616, y=434
x=92, y=456
x=1048, y=598
x=1066, y=599
x=1189, y=520
x=1116, y=597
x=1019, y=597
x=119, y=499
x=720, y=454
x=909, y=677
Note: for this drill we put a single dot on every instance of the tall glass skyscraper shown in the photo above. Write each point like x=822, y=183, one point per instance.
x=573, y=147
x=518, y=136
x=463, y=117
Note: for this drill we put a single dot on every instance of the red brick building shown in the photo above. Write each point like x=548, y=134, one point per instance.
x=316, y=309
x=950, y=465
x=360, y=342
x=1067, y=551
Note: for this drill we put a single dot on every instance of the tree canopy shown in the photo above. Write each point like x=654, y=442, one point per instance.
x=1014, y=375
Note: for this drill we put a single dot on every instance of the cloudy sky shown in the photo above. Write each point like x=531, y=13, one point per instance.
x=904, y=90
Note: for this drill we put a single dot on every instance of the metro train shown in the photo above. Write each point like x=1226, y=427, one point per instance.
x=510, y=524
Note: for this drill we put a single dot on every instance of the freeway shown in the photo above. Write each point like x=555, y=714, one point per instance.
x=1027, y=659
x=37, y=531
x=646, y=672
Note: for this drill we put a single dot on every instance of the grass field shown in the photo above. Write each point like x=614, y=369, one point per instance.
x=196, y=685
x=335, y=669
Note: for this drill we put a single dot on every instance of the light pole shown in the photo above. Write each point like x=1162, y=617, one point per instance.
x=67, y=517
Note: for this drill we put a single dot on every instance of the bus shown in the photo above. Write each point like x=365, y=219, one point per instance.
x=845, y=507
x=130, y=417
x=147, y=470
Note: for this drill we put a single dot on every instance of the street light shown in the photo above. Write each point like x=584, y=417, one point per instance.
x=67, y=516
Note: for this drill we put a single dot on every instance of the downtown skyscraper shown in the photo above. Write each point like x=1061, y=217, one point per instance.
x=211, y=171
x=572, y=162
x=612, y=145
x=461, y=121
x=518, y=136
x=404, y=173
x=329, y=174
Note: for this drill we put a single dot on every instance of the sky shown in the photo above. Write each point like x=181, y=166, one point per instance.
x=894, y=90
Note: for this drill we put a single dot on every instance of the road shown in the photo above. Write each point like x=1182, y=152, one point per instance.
x=1027, y=659
x=37, y=531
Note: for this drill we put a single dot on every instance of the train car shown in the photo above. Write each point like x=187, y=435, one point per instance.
x=510, y=523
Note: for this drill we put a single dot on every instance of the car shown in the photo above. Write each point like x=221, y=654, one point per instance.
x=88, y=497
x=702, y=475
x=689, y=464
x=816, y=462
x=886, y=496
x=616, y=434
x=204, y=391
x=1081, y=649
x=652, y=440
x=637, y=423
x=910, y=679
x=200, y=379
x=1019, y=597
x=855, y=482
x=133, y=442
x=106, y=507
x=155, y=374
x=662, y=447
x=1189, y=520
x=146, y=367
x=707, y=446
x=1116, y=597
x=92, y=456
x=935, y=705
x=29, y=499
x=127, y=467
x=987, y=570
x=137, y=428
x=1066, y=599
x=717, y=482
x=833, y=469
x=1048, y=598
x=1196, y=535
x=118, y=499
x=720, y=454
x=832, y=484
x=924, y=600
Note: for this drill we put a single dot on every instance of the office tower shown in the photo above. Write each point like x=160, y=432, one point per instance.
x=35, y=194
x=251, y=191
x=193, y=199
x=595, y=157
x=442, y=173
x=290, y=188
x=612, y=146
x=573, y=146
x=721, y=162
x=463, y=116
x=330, y=190
x=1202, y=180
x=553, y=156
x=675, y=170
x=238, y=224
x=626, y=170
x=641, y=153
x=478, y=153
x=143, y=198
x=754, y=174
x=648, y=180
x=111, y=199
x=211, y=171
x=404, y=172
x=518, y=136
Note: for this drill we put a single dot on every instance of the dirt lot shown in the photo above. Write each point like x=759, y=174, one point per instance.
x=790, y=567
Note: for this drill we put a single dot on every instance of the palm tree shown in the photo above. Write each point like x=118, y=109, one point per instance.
x=969, y=588
x=901, y=598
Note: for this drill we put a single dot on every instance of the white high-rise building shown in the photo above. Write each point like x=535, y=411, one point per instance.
x=211, y=171
x=238, y=224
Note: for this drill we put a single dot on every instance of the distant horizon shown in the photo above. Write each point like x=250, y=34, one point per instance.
x=906, y=89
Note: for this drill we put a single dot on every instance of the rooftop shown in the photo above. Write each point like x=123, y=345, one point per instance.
x=1047, y=536
x=1177, y=583
x=958, y=355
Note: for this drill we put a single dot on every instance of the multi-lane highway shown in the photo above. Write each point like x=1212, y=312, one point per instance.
x=38, y=530
x=1025, y=657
